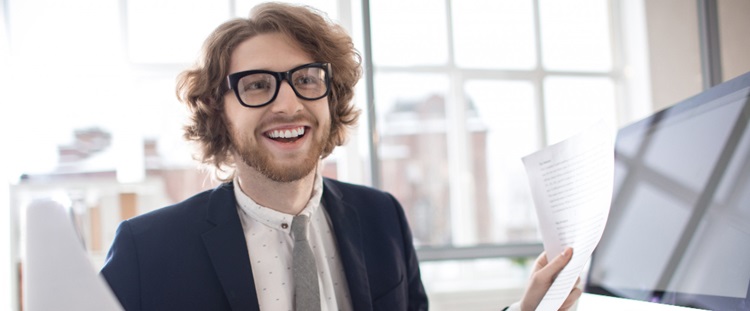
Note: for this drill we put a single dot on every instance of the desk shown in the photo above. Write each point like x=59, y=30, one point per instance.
x=591, y=302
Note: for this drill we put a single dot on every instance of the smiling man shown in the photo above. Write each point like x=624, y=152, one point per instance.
x=270, y=97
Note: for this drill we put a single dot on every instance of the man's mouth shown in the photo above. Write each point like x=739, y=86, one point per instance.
x=286, y=135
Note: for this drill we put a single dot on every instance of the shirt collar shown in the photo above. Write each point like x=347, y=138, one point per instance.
x=273, y=218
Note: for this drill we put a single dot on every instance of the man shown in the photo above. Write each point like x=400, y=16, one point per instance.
x=270, y=97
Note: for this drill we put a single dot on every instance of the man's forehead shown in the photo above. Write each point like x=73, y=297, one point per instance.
x=268, y=51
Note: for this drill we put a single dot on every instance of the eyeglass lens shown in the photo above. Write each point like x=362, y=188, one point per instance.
x=260, y=88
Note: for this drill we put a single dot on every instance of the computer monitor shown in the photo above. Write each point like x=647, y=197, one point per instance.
x=679, y=226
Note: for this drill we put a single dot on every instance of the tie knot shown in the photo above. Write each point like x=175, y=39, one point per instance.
x=299, y=227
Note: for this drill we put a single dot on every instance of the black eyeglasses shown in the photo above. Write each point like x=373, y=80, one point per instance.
x=257, y=88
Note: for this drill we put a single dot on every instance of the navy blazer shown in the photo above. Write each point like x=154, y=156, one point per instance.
x=193, y=255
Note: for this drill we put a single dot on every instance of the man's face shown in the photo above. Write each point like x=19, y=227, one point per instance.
x=257, y=132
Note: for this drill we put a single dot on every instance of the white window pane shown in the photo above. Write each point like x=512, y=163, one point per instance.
x=575, y=35
x=413, y=150
x=78, y=44
x=330, y=7
x=171, y=31
x=494, y=34
x=157, y=108
x=407, y=33
x=161, y=116
x=574, y=103
x=6, y=128
x=83, y=34
x=392, y=89
x=4, y=50
x=504, y=129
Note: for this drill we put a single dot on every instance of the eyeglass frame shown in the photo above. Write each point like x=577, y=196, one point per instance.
x=233, y=80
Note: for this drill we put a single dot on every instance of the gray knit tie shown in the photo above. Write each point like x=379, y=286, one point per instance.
x=305, y=273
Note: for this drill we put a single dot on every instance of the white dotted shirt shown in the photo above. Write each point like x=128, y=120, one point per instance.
x=269, y=243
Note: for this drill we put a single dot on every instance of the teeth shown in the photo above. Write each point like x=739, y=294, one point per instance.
x=287, y=133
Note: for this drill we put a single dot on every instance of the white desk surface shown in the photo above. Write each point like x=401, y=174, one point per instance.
x=591, y=302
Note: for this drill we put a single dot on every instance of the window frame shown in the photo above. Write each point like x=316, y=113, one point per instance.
x=464, y=246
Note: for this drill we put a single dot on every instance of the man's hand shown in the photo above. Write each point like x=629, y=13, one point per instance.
x=542, y=277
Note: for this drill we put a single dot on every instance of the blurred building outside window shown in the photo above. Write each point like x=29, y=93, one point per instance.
x=486, y=83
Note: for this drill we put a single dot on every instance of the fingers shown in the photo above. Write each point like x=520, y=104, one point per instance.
x=550, y=270
x=540, y=261
x=575, y=293
x=542, y=278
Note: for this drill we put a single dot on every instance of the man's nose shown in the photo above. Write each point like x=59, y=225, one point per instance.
x=286, y=101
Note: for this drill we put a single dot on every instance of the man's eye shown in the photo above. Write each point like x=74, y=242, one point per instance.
x=307, y=81
x=256, y=85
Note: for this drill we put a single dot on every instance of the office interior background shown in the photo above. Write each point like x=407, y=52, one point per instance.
x=457, y=93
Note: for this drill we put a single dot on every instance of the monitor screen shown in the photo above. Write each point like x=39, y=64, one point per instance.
x=679, y=226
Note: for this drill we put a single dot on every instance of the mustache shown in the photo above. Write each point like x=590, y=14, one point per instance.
x=283, y=119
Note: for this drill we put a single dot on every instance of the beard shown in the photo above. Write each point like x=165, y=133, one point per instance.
x=278, y=170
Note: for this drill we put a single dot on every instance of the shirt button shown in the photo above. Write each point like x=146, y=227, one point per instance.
x=284, y=226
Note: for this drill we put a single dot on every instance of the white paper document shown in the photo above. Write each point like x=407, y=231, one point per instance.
x=571, y=183
x=58, y=274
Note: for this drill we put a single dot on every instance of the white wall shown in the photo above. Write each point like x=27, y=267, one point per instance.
x=674, y=50
x=734, y=25
x=674, y=46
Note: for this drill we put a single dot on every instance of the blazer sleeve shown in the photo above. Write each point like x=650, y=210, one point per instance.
x=417, y=295
x=121, y=268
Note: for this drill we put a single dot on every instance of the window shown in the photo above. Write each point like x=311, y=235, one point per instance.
x=575, y=35
x=494, y=34
x=463, y=91
x=462, y=94
x=330, y=7
x=170, y=31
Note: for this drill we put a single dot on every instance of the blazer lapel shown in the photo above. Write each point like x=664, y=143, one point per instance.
x=227, y=249
x=349, y=238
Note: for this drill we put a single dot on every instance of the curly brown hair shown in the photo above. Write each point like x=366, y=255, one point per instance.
x=202, y=87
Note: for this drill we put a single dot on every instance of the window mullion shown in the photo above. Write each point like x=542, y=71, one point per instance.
x=539, y=75
x=462, y=206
